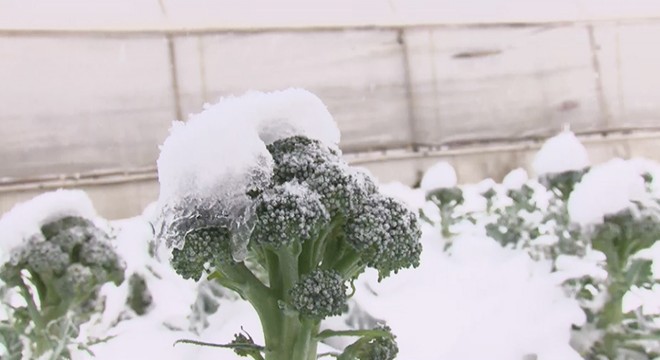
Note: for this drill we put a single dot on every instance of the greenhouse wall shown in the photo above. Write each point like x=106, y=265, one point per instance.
x=87, y=106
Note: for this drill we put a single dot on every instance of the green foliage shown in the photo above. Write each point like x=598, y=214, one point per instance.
x=562, y=184
x=620, y=237
x=375, y=344
x=139, y=297
x=315, y=226
x=58, y=272
x=447, y=200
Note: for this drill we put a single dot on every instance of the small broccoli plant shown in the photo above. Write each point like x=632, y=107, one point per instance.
x=621, y=237
x=509, y=227
x=288, y=229
x=58, y=273
x=447, y=200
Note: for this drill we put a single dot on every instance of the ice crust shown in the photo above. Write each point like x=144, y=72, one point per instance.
x=207, y=164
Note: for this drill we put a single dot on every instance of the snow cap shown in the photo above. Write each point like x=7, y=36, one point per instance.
x=440, y=175
x=606, y=189
x=560, y=153
x=208, y=163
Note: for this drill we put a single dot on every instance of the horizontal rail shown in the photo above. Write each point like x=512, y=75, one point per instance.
x=115, y=176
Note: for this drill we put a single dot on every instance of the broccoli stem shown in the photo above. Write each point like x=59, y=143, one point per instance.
x=349, y=265
x=313, y=250
x=43, y=341
x=286, y=336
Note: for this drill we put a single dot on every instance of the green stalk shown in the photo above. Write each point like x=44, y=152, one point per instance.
x=320, y=245
x=348, y=265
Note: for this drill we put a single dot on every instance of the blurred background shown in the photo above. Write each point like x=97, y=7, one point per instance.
x=88, y=89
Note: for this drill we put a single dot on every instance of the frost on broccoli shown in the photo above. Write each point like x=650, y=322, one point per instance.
x=64, y=264
x=288, y=213
x=320, y=294
x=316, y=225
x=256, y=198
x=385, y=236
x=201, y=247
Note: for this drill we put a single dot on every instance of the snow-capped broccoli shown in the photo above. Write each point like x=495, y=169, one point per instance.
x=315, y=226
x=69, y=255
x=67, y=262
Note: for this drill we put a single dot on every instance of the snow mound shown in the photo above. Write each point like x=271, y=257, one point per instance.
x=606, y=189
x=515, y=179
x=440, y=175
x=26, y=219
x=208, y=163
x=560, y=153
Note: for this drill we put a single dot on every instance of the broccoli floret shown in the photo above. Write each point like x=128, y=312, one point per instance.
x=386, y=235
x=61, y=226
x=380, y=344
x=77, y=282
x=342, y=190
x=201, y=248
x=320, y=294
x=297, y=158
x=47, y=259
x=288, y=213
x=380, y=348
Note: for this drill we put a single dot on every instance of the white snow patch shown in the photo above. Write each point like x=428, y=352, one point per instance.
x=573, y=267
x=606, y=189
x=485, y=185
x=478, y=302
x=281, y=114
x=26, y=219
x=515, y=179
x=414, y=198
x=560, y=153
x=440, y=175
